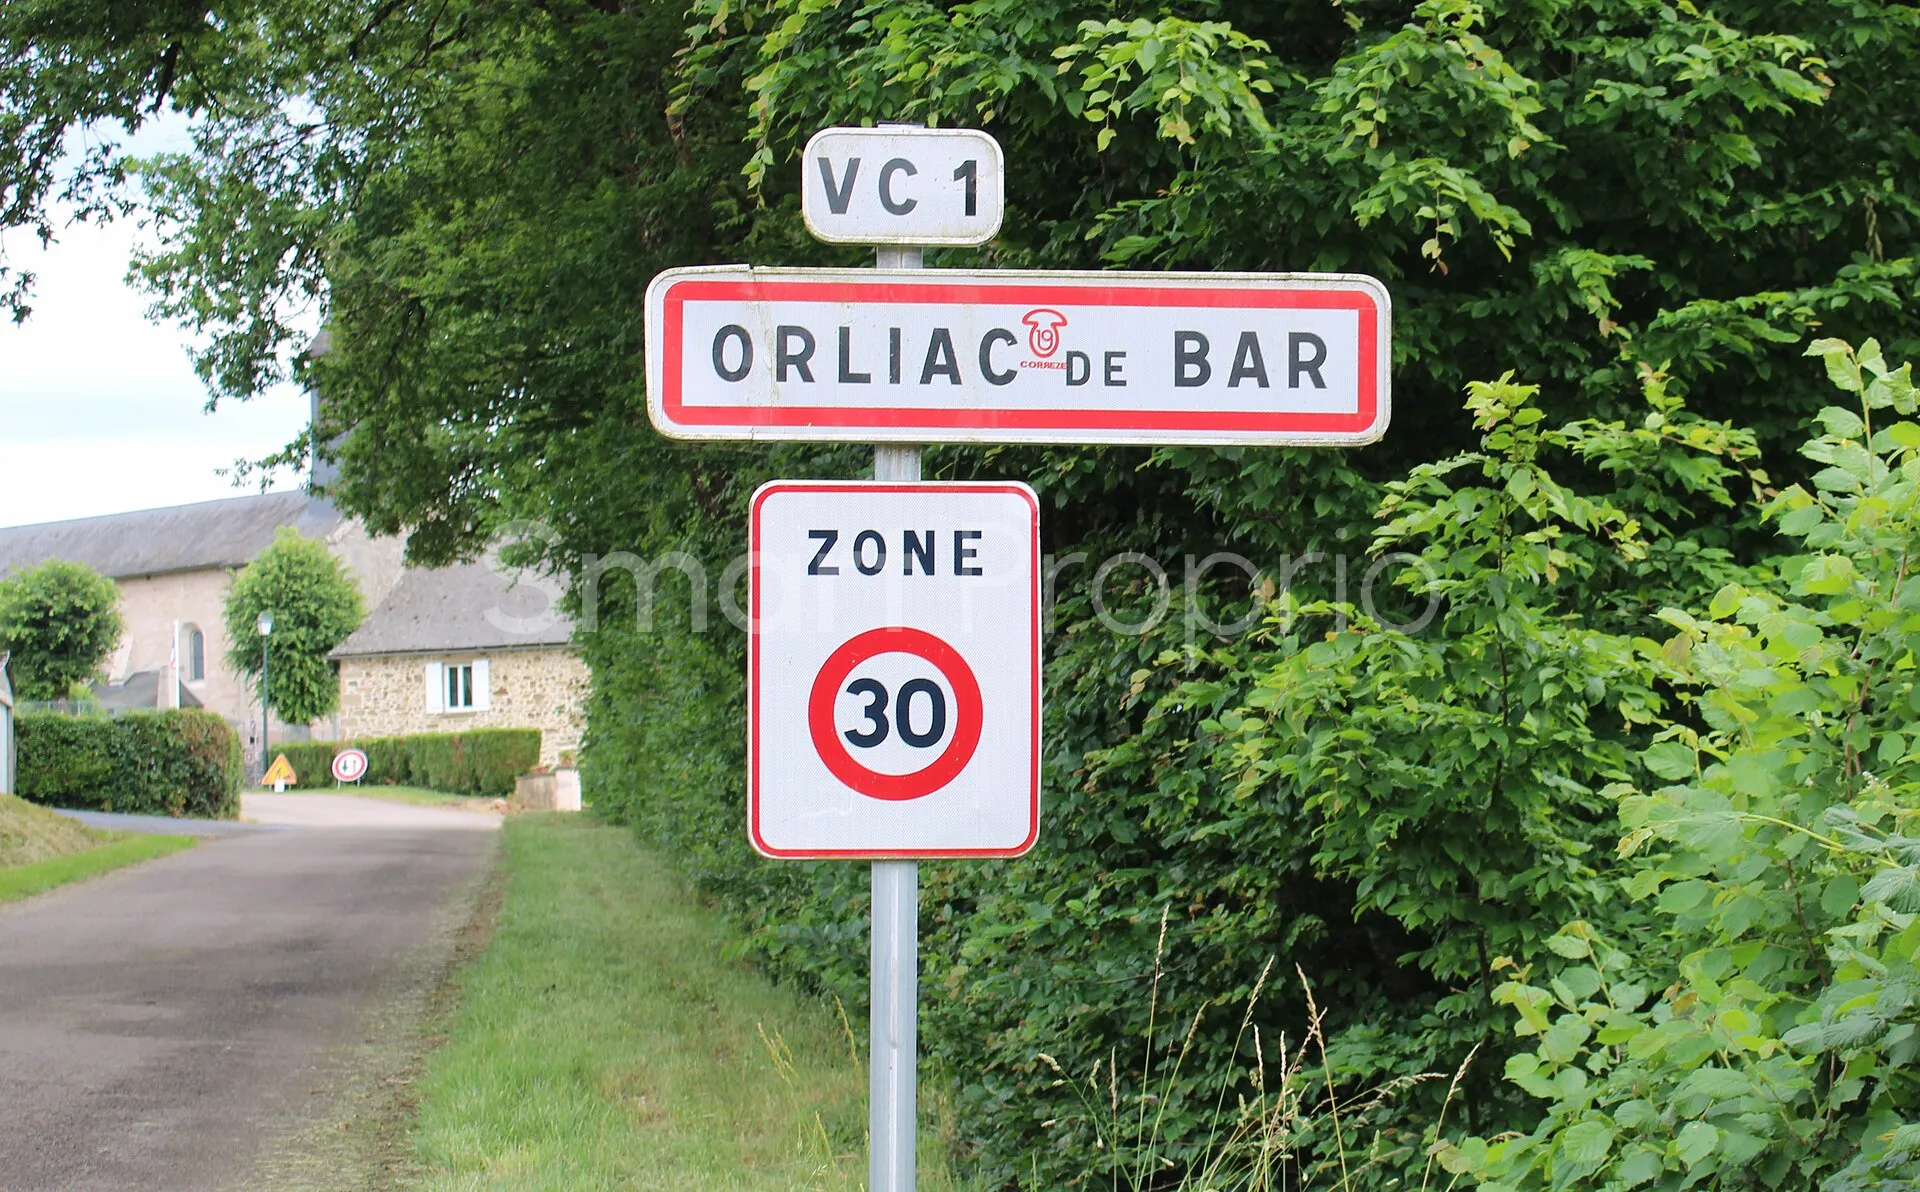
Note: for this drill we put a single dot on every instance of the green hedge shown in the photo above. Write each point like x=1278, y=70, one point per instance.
x=481, y=762
x=182, y=763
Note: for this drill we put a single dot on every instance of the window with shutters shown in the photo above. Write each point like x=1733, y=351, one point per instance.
x=459, y=687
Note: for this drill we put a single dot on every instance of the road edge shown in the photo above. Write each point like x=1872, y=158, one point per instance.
x=359, y=1139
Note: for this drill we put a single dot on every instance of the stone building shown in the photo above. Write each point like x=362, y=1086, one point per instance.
x=441, y=649
x=172, y=566
x=468, y=646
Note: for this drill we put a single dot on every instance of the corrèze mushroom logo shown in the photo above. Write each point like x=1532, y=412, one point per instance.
x=1043, y=331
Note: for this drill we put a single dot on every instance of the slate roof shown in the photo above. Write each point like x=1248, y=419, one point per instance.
x=211, y=534
x=444, y=610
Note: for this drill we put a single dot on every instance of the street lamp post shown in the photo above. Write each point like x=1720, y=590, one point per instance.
x=265, y=625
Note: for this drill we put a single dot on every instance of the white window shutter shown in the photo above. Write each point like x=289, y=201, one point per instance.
x=436, y=687
x=482, y=686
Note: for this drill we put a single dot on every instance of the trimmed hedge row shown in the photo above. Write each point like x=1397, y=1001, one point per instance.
x=180, y=763
x=484, y=761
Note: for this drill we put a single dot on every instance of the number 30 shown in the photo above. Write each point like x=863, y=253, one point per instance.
x=876, y=712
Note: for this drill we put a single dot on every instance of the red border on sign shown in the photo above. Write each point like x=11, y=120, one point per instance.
x=680, y=293
x=892, y=639
x=335, y=767
x=753, y=675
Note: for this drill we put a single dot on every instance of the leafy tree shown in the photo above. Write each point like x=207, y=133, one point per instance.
x=315, y=604
x=61, y=622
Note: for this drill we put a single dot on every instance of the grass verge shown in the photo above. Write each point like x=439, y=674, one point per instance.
x=24, y=881
x=605, y=1040
x=29, y=833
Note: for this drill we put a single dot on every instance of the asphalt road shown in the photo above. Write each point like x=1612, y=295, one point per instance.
x=162, y=1027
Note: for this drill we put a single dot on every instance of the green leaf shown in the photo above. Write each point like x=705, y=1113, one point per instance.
x=1798, y=523
x=1892, y=748
x=1561, y=1042
x=1695, y=1143
x=1712, y=833
x=1639, y=1166
x=1669, y=759
x=1587, y=1142
x=1571, y=947
x=1841, y=369
x=1898, y=888
x=1842, y=423
x=1576, y=985
x=1840, y=895
x=1681, y=897
x=1635, y=1114
x=1718, y=1084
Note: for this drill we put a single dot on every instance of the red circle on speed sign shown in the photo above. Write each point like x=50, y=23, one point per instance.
x=349, y=765
x=895, y=639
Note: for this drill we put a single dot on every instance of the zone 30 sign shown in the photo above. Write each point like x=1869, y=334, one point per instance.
x=737, y=352
x=893, y=670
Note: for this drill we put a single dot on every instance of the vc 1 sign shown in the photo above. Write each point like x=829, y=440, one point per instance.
x=736, y=352
x=900, y=185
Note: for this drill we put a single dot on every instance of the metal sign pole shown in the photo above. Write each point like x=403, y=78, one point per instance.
x=892, y=1113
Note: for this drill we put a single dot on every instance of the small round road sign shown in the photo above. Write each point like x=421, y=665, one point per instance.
x=349, y=765
x=894, y=713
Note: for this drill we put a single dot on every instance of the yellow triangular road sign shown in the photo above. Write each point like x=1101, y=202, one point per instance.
x=279, y=773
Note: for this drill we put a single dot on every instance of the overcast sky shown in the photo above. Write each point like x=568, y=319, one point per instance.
x=100, y=410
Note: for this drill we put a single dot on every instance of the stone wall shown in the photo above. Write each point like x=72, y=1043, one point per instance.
x=386, y=696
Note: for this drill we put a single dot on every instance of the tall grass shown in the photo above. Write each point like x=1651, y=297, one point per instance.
x=1289, y=1127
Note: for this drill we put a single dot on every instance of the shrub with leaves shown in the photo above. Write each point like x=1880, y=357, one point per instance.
x=315, y=604
x=1747, y=1018
x=481, y=761
x=61, y=621
x=183, y=762
x=1390, y=810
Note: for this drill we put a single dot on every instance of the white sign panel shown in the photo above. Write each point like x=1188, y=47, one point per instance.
x=349, y=765
x=919, y=356
x=943, y=186
x=893, y=674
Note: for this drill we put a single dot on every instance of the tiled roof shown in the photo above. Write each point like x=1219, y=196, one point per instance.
x=466, y=607
x=211, y=534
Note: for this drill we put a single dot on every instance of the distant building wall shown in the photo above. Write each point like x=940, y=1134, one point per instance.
x=390, y=696
x=152, y=605
x=376, y=563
